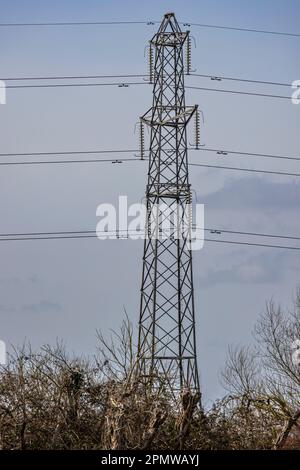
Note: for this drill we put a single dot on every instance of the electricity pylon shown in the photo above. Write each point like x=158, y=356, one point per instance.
x=166, y=347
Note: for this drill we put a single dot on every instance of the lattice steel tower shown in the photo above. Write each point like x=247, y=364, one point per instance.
x=166, y=346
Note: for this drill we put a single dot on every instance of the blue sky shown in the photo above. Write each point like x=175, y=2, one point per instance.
x=67, y=289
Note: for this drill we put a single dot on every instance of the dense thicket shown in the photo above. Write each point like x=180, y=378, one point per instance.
x=49, y=400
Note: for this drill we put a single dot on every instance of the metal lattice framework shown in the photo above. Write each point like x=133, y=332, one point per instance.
x=166, y=348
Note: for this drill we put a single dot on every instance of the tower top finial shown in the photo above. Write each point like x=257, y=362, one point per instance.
x=167, y=15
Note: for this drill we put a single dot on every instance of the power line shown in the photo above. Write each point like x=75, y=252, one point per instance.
x=219, y=151
x=61, y=162
x=239, y=92
x=148, y=23
x=253, y=244
x=247, y=30
x=76, y=236
x=69, y=152
x=245, y=169
x=250, y=234
x=73, y=77
x=78, y=23
x=243, y=80
x=64, y=85
x=90, y=77
x=127, y=84
x=217, y=231
x=223, y=152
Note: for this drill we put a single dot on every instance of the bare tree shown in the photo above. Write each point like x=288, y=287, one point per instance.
x=267, y=378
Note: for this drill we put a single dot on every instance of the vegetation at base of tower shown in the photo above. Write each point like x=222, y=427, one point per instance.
x=50, y=400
